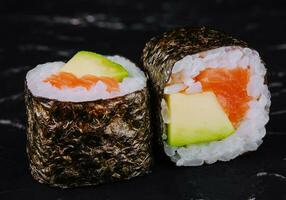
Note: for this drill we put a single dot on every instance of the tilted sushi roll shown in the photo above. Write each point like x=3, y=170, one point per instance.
x=88, y=121
x=209, y=94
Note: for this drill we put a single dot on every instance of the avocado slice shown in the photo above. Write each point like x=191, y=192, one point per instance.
x=90, y=63
x=196, y=118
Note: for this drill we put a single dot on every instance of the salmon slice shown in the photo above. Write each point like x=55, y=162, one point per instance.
x=230, y=87
x=65, y=79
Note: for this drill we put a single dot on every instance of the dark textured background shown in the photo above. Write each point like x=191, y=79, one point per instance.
x=33, y=32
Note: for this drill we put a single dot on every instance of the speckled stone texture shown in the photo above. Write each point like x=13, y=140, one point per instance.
x=89, y=143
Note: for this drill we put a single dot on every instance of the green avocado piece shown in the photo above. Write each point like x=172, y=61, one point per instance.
x=196, y=118
x=90, y=63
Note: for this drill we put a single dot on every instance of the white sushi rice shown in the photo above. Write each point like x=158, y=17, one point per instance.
x=248, y=136
x=35, y=77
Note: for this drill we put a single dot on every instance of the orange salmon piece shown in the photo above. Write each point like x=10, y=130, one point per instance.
x=230, y=87
x=65, y=79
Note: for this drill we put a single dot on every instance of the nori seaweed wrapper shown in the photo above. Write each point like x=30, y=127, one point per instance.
x=78, y=144
x=162, y=52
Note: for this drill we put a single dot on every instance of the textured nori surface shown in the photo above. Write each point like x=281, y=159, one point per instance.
x=162, y=52
x=89, y=143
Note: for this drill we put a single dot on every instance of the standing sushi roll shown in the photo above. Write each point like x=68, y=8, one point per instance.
x=88, y=121
x=209, y=94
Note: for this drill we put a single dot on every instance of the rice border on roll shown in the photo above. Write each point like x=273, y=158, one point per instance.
x=135, y=81
x=249, y=133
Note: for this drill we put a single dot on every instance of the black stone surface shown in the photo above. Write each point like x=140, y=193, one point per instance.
x=33, y=32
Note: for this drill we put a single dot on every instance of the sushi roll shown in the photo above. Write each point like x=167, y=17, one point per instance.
x=210, y=98
x=88, y=121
